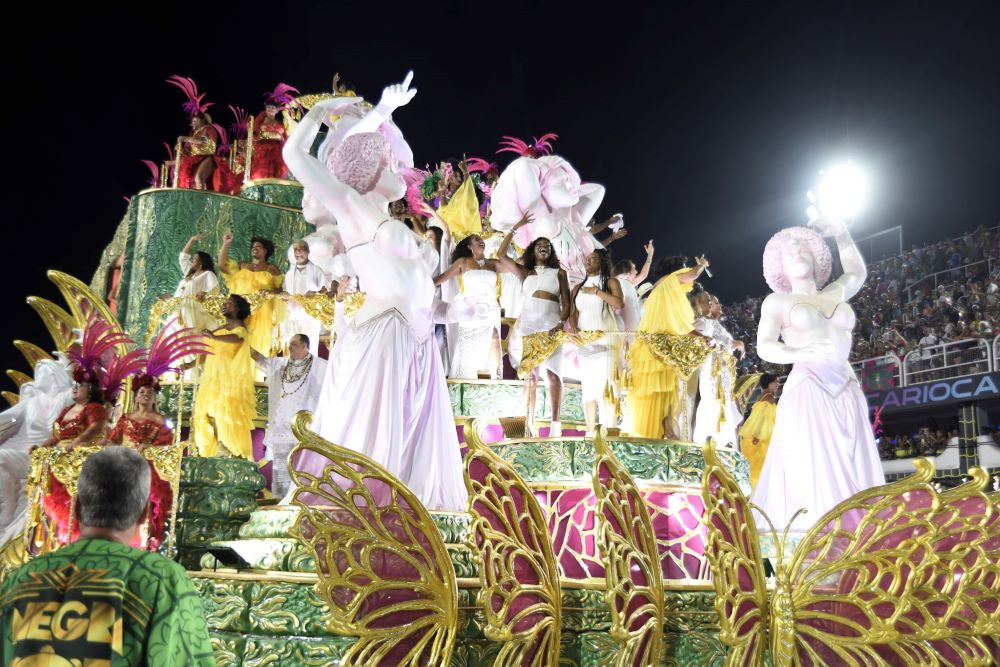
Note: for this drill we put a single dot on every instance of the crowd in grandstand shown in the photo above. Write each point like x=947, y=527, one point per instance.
x=932, y=294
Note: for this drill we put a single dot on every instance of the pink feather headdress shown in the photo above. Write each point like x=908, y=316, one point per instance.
x=479, y=164
x=282, y=95
x=540, y=145
x=223, y=139
x=196, y=103
x=414, y=178
x=166, y=350
x=154, y=170
x=241, y=121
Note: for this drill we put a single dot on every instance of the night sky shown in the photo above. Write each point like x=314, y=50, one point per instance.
x=706, y=121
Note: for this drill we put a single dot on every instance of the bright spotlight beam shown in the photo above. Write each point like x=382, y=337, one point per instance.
x=842, y=193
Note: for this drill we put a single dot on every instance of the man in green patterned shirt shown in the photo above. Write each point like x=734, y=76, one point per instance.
x=98, y=602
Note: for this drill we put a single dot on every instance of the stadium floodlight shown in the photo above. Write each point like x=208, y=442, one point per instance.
x=841, y=193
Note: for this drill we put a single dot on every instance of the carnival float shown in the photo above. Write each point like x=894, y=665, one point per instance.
x=585, y=548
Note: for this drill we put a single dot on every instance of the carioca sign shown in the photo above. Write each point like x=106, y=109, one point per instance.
x=933, y=394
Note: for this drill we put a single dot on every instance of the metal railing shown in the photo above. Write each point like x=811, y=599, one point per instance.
x=969, y=356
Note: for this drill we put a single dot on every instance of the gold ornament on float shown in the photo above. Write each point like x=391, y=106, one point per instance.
x=631, y=560
x=379, y=557
x=896, y=574
x=519, y=581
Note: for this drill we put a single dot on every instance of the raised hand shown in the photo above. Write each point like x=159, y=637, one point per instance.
x=526, y=219
x=830, y=226
x=198, y=237
x=649, y=247
x=227, y=238
x=398, y=94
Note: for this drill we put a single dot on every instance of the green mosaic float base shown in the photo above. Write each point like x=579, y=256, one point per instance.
x=287, y=194
x=572, y=459
x=501, y=398
x=468, y=400
x=267, y=542
x=160, y=222
x=257, y=622
x=217, y=496
x=170, y=394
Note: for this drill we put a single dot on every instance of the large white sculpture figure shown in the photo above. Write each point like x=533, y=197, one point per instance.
x=22, y=426
x=385, y=393
x=549, y=189
x=822, y=449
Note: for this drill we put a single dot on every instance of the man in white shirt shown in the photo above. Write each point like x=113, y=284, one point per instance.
x=293, y=384
x=304, y=277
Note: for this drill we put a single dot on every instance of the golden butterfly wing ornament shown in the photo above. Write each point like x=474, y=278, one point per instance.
x=58, y=322
x=889, y=576
x=519, y=583
x=733, y=551
x=82, y=301
x=384, y=569
x=631, y=560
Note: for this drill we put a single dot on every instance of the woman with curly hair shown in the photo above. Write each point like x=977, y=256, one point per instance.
x=546, y=307
x=822, y=449
x=246, y=278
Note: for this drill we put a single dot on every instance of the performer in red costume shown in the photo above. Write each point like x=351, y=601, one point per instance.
x=269, y=135
x=146, y=427
x=195, y=160
x=97, y=378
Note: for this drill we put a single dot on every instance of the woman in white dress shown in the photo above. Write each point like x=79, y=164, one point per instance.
x=198, y=279
x=717, y=415
x=545, y=308
x=475, y=340
x=23, y=426
x=595, y=301
x=822, y=450
x=385, y=394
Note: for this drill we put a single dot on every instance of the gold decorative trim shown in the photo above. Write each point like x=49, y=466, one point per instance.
x=271, y=181
x=683, y=353
x=18, y=377
x=631, y=560
x=32, y=353
x=570, y=484
x=520, y=595
x=378, y=542
x=11, y=397
x=57, y=321
x=541, y=345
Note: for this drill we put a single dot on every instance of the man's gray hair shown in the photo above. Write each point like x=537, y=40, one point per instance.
x=113, y=488
x=301, y=243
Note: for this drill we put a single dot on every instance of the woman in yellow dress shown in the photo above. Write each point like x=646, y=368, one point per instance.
x=225, y=403
x=755, y=434
x=654, y=398
x=246, y=278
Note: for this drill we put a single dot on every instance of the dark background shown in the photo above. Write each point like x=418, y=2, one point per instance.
x=706, y=121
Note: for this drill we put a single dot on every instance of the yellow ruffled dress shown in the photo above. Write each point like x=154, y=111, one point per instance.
x=755, y=436
x=225, y=404
x=261, y=322
x=655, y=385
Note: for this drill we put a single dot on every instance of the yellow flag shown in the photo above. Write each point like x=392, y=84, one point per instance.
x=462, y=212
